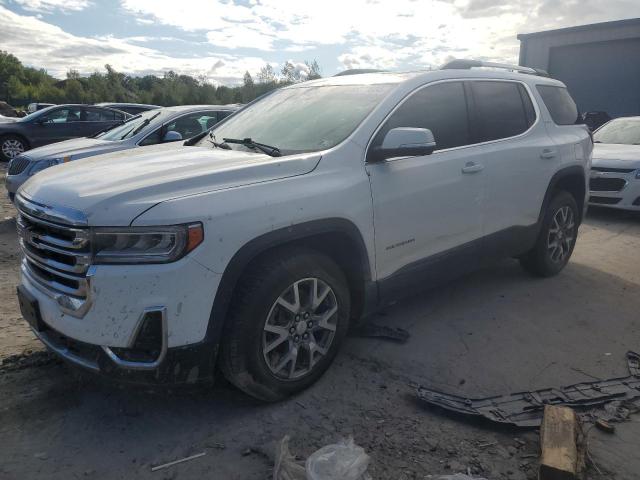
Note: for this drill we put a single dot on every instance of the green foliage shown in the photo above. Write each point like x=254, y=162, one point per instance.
x=20, y=85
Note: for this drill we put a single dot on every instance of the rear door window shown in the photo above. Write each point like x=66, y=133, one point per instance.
x=442, y=108
x=502, y=109
x=562, y=108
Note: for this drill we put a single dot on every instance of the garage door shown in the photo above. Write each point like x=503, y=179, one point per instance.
x=600, y=76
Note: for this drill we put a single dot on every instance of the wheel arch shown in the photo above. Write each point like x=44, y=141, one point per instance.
x=16, y=134
x=338, y=238
x=572, y=180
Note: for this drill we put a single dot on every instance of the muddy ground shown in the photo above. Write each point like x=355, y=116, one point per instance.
x=493, y=332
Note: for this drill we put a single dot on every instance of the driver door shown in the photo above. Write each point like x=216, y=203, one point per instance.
x=57, y=125
x=428, y=210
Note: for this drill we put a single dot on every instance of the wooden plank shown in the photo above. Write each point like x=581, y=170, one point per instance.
x=558, y=438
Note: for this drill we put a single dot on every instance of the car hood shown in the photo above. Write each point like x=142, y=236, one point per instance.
x=616, y=155
x=8, y=119
x=75, y=148
x=113, y=189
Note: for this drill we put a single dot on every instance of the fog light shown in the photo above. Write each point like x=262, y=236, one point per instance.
x=149, y=345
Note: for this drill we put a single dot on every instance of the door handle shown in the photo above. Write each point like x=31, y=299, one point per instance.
x=472, y=167
x=547, y=154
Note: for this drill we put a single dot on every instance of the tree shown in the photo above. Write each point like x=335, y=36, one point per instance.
x=314, y=70
x=266, y=74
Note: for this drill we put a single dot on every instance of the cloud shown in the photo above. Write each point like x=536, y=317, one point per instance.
x=48, y=6
x=38, y=43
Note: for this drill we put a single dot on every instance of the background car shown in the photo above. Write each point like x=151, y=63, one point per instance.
x=615, y=169
x=34, y=107
x=149, y=128
x=55, y=124
x=595, y=120
x=132, y=108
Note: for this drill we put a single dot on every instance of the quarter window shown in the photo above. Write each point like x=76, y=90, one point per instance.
x=561, y=106
x=442, y=108
x=503, y=109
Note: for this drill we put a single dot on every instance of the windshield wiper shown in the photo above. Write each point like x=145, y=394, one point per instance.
x=247, y=142
x=143, y=124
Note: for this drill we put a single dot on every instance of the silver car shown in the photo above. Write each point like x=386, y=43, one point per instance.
x=149, y=128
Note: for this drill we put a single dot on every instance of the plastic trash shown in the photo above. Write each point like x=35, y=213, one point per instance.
x=341, y=461
x=286, y=465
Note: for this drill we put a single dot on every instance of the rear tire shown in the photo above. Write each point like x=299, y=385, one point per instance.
x=286, y=322
x=557, y=237
x=11, y=146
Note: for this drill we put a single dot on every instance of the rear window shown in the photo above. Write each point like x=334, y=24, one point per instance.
x=561, y=106
x=503, y=109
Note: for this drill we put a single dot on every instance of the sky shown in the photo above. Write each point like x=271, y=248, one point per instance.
x=219, y=40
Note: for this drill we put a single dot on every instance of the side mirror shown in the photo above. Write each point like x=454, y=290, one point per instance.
x=171, y=136
x=404, y=142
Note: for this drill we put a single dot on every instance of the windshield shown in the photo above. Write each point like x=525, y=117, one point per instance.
x=619, y=131
x=127, y=129
x=301, y=119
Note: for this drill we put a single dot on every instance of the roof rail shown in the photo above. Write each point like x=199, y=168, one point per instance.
x=463, y=64
x=358, y=71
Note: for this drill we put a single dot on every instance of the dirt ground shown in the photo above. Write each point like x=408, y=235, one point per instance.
x=492, y=332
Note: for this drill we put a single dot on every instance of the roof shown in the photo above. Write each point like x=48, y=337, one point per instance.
x=580, y=28
x=180, y=108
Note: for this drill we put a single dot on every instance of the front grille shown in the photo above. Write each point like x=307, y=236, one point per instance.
x=17, y=165
x=605, y=200
x=55, y=255
x=612, y=170
x=607, y=184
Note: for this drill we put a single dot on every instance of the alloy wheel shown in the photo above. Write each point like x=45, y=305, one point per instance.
x=561, y=235
x=11, y=148
x=300, y=328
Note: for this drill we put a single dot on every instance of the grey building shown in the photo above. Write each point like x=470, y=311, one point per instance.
x=599, y=63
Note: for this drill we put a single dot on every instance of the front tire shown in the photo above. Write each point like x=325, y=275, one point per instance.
x=288, y=317
x=11, y=146
x=557, y=237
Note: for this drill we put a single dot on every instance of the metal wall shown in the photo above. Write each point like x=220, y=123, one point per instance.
x=600, y=64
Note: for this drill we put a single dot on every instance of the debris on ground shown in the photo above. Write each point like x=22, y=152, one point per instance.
x=602, y=424
x=560, y=434
x=372, y=330
x=175, y=462
x=27, y=359
x=287, y=467
x=525, y=409
x=459, y=476
x=341, y=461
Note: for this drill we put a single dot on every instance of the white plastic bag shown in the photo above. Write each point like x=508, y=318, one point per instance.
x=341, y=461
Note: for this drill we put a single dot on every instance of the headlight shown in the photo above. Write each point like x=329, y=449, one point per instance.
x=42, y=164
x=145, y=244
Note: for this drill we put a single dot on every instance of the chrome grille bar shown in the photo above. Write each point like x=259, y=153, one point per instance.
x=57, y=252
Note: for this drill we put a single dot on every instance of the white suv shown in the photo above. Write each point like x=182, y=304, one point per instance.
x=255, y=246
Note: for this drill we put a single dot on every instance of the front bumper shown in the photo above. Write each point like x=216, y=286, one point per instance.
x=179, y=366
x=615, y=190
x=119, y=298
x=13, y=182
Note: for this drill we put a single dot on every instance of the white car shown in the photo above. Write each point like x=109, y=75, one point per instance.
x=615, y=173
x=314, y=205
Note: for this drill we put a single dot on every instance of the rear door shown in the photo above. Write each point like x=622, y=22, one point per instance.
x=95, y=120
x=519, y=156
x=428, y=208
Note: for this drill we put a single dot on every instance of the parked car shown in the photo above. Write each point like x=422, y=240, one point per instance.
x=615, y=172
x=34, y=107
x=55, y=124
x=254, y=247
x=132, y=108
x=595, y=120
x=149, y=128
